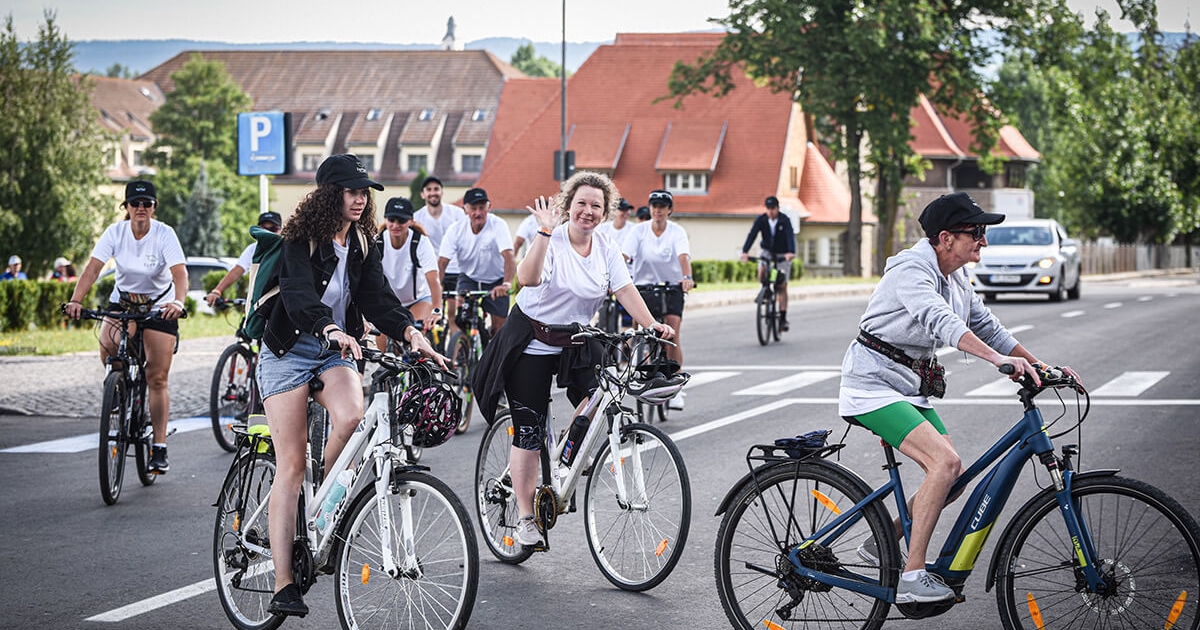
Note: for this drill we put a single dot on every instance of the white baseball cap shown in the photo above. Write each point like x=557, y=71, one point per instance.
x=14, y=260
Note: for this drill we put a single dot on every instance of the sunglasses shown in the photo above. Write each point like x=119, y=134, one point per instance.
x=977, y=231
x=140, y=204
x=663, y=198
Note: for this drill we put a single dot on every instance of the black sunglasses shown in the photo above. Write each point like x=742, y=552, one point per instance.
x=977, y=231
x=141, y=204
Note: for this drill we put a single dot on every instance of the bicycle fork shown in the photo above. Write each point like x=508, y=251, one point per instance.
x=408, y=567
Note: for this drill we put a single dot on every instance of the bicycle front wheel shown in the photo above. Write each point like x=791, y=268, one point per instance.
x=460, y=352
x=637, y=541
x=495, y=502
x=789, y=503
x=245, y=577
x=763, y=317
x=437, y=567
x=229, y=399
x=1147, y=549
x=114, y=436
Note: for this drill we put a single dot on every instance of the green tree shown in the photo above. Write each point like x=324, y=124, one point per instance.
x=51, y=151
x=528, y=61
x=414, y=189
x=119, y=71
x=200, y=228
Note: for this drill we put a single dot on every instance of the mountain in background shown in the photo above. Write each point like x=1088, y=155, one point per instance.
x=140, y=56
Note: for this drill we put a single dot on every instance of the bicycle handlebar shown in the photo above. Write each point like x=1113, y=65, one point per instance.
x=87, y=313
x=222, y=304
x=1052, y=378
x=667, y=287
x=592, y=332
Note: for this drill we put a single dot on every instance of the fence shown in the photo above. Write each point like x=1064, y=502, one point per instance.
x=1100, y=257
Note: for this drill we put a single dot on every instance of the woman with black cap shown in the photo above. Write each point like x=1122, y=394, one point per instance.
x=410, y=263
x=151, y=267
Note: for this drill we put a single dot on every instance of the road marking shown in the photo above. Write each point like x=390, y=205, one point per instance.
x=704, y=378
x=1130, y=384
x=158, y=601
x=788, y=383
x=81, y=443
x=760, y=368
x=1000, y=387
x=1070, y=314
x=1113, y=305
x=1145, y=298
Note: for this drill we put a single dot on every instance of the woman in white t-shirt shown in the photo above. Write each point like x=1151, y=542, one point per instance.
x=417, y=287
x=150, y=267
x=566, y=273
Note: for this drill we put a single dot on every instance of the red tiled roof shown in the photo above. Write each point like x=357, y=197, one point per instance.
x=473, y=132
x=950, y=135
x=125, y=105
x=597, y=145
x=315, y=127
x=823, y=194
x=691, y=146
x=368, y=131
x=523, y=97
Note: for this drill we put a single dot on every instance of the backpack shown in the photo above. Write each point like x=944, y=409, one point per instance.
x=264, y=277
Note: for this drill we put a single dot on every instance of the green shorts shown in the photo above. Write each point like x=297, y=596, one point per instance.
x=894, y=422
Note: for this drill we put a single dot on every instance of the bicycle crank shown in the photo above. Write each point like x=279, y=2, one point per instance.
x=545, y=510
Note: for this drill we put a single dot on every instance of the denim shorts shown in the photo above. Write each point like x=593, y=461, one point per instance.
x=297, y=367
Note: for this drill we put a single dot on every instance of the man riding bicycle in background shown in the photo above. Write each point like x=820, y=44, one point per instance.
x=779, y=239
x=484, y=251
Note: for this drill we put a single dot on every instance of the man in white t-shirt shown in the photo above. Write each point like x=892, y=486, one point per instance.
x=268, y=221
x=525, y=232
x=484, y=251
x=435, y=218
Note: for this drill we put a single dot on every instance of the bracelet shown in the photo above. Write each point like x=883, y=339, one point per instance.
x=335, y=329
x=544, y=233
x=437, y=311
x=687, y=277
x=178, y=303
x=214, y=291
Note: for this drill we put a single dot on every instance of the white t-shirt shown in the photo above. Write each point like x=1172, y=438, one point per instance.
x=143, y=265
x=397, y=267
x=621, y=236
x=656, y=258
x=247, y=258
x=572, y=286
x=337, y=292
x=527, y=230
x=478, y=255
x=435, y=229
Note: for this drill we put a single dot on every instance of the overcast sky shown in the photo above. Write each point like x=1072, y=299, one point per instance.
x=409, y=22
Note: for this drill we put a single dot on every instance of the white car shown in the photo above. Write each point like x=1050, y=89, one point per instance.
x=1028, y=256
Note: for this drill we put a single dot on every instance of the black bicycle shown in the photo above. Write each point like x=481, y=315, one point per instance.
x=766, y=320
x=465, y=347
x=643, y=353
x=234, y=394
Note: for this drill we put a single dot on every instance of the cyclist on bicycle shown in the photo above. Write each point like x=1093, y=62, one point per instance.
x=436, y=218
x=151, y=267
x=484, y=251
x=410, y=263
x=778, y=243
x=330, y=278
x=568, y=271
x=268, y=221
x=924, y=300
x=661, y=253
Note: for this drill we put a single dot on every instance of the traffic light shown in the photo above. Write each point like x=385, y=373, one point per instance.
x=558, y=165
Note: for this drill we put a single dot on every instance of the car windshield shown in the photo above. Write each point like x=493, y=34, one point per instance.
x=196, y=275
x=1023, y=235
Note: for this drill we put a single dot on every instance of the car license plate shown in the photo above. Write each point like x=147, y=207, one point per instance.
x=1002, y=279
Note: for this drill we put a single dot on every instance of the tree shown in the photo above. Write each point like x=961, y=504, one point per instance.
x=858, y=69
x=414, y=189
x=118, y=71
x=51, y=151
x=200, y=229
x=526, y=59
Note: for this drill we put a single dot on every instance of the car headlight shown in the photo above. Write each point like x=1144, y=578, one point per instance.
x=1046, y=263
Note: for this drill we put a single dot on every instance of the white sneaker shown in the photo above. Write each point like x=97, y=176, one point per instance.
x=926, y=589
x=676, y=402
x=527, y=533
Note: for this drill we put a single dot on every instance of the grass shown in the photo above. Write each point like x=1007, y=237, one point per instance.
x=84, y=338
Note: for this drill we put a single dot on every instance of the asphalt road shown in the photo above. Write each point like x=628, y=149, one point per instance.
x=146, y=562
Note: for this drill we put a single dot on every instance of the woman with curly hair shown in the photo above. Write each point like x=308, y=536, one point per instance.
x=569, y=270
x=330, y=278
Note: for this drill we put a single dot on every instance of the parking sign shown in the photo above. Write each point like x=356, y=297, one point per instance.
x=264, y=140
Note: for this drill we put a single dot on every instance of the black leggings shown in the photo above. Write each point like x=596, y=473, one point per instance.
x=528, y=390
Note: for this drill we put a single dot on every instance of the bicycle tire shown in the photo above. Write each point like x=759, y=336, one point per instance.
x=762, y=323
x=317, y=421
x=142, y=439
x=245, y=579
x=440, y=591
x=752, y=598
x=114, y=436
x=636, y=546
x=495, y=504
x=1148, y=543
x=775, y=319
x=231, y=394
x=461, y=353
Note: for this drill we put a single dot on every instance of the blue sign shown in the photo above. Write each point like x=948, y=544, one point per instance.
x=263, y=139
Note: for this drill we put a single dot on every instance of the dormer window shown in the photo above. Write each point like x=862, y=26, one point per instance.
x=686, y=183
x=425, y=115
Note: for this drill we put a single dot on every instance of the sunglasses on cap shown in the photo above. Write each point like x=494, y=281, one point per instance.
x=141, y=204
x=663, y=198
x=977, y=231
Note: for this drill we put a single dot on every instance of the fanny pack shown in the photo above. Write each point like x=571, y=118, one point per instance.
x=558, y=338
x=932, y=374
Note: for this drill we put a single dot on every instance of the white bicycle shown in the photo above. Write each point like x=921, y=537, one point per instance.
x=637, y=500
x=399, y=546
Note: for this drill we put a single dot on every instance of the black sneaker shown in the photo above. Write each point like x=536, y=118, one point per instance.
x=783, y=325
x=288, y=602
x=158, y=460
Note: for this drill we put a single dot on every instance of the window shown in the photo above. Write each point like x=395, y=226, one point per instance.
x=686, y=183
x=137, y=158
x=426, y=114
x=368, y=162
x=479, y=115
x=417, y=162
x=472, y=163
x=794, y=177
x=373, y=114
x=1014, y=175
x=310, y=161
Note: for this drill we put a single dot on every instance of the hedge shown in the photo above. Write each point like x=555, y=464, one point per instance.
x=725, y=271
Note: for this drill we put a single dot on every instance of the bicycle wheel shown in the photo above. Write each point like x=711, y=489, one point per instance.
x=461, y=353
x=636, y=544
x=762, y=320
x=114, y=436
x=763, y=522
x=495, y=503
x=317, y=421
x=438, y=570
x=245, y=577
x=1147, y=545
x=775, y=324
x=229, y=399
x=142, y=439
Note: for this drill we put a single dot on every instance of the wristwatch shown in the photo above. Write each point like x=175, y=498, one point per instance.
x=437, y=311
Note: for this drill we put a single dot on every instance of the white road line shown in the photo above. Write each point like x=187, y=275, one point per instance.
x=999, y=387
x=158, y=601
x=704, y=378
x=1113, y=305
x=81, y=443
x=759, y=368
x=1070, y=314
x=1130, y=384
x=1145, y=298
x=737, y=417
x=788, y=383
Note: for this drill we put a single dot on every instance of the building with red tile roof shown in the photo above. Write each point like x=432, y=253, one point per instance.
x=124, y=107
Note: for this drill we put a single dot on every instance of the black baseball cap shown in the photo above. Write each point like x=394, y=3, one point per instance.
x=624, y=205
x=345, y=170
x=475, y=195
x=140, y=189
x=662, y=197
x=399, y=208
x=432, y=179
x=772, y=202
x=643, y=213
x=954, y=209
x=270, y=217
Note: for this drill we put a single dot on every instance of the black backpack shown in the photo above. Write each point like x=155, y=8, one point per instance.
x=412, y=252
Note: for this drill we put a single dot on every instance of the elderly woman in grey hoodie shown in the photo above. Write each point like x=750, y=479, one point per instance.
x=924, y=301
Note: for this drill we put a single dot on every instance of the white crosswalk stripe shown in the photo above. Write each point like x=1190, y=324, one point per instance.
x=1001, y=387
x=1130, y=384
x=788, y=383
x=704, y=378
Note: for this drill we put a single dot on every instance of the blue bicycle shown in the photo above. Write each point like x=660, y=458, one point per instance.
x=1090, y=550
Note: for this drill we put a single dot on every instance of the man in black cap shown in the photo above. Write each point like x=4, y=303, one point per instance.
x=484, y=251
x=778, y=247
x=436, y=218
x=268, y=220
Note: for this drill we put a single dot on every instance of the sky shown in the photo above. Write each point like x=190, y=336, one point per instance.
x=410, y=22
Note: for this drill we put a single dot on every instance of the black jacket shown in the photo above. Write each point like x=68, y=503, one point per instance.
x=303, y=279
x=784, y=241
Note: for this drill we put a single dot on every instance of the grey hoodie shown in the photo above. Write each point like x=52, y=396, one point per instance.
x=918, y=310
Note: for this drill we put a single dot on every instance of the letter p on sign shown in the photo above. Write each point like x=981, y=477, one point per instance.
x=260, y=127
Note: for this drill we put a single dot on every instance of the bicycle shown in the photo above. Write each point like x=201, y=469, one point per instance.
x=124, y=412
x=637, y=500
x=466, y=345
x=642, y=353
x=767, y=301
x=1091, y=549
x=400, y=384
x=234, y=394
x=398, y=544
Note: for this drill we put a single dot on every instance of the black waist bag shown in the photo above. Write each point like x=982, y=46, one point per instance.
x=931, y=373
